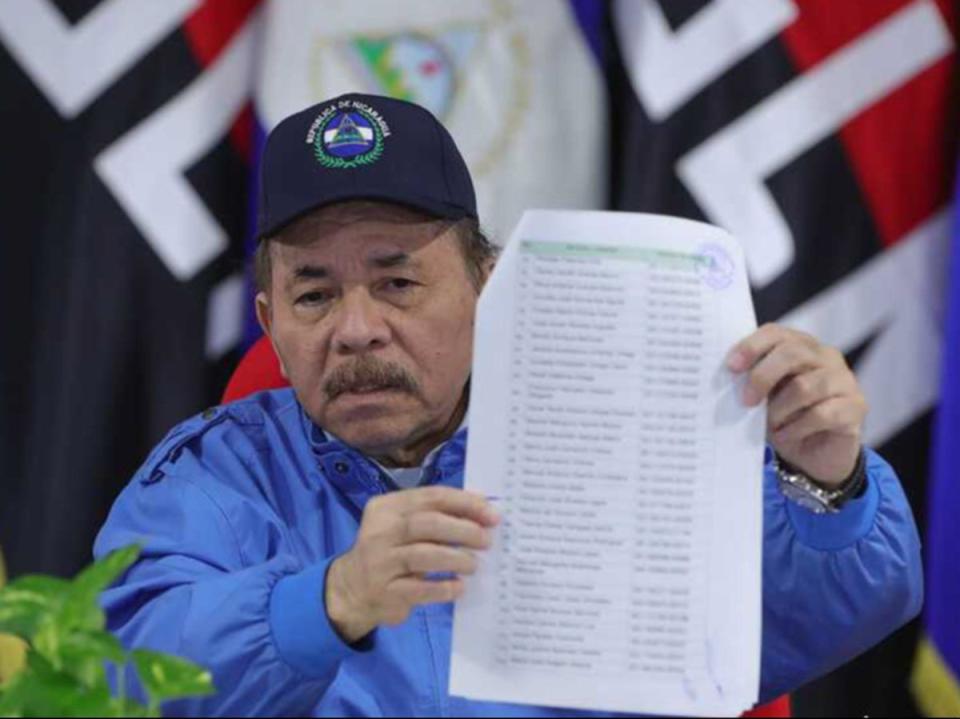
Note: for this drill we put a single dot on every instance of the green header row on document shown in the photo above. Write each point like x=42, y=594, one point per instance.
x=658, y=258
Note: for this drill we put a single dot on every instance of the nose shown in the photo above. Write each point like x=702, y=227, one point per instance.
x=360, y=325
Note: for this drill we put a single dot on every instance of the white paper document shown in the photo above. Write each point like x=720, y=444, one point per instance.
x=604, y=425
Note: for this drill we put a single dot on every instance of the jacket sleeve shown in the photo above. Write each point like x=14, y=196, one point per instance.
x=257, y=623
x=835, y=585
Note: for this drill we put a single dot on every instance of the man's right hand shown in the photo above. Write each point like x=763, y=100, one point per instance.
x=403, y=537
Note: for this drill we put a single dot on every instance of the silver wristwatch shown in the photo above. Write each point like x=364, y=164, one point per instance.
x=800, y=489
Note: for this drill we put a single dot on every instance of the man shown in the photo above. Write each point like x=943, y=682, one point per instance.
x=291, y=540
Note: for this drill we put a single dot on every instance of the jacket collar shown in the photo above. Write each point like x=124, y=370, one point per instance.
x=359, y=478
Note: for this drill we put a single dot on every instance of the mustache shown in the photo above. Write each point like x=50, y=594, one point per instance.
x=369, y=373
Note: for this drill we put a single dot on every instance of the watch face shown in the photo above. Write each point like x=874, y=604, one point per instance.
x=803, y=498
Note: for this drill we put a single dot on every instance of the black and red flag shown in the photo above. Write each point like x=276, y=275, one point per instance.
x=124, y=175
x=822, y=134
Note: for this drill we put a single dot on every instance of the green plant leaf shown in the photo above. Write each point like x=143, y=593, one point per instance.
x=132, y=709
x=80, y=608
x=65, y=672
x=41, y=690
x=50, y=589
x=98, y=576
x=24, y=604
x=84, y=654
x=20, y=619
x=101, y=645
x=80, y=612
x=166, y=677
x=46, y=641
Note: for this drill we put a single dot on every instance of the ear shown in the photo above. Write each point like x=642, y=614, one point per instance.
x=488, y=266
x=265, y=318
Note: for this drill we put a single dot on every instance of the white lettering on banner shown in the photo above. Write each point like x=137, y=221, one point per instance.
x=73, y=66
x=727, y=173
x=667, y=68
x=895, y=296
x=144, y=169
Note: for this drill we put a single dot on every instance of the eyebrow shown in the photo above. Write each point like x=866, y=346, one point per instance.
x=310, y=272
x=318, y=272
x=397, y=259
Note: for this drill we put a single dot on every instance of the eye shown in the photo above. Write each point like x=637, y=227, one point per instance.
x=399, y=284
x=313, y=299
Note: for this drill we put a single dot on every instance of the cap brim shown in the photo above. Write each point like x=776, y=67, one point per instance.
x=440, y=210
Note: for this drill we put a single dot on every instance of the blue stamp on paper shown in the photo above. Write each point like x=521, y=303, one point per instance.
x=716, y=268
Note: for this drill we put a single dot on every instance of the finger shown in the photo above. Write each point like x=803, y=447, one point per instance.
x=414, y=592
x=806, y=390
x=840, y=415
x=786, y=359
x=444, y=529
x=752, y=349
x=425, y=558
x=447, y=500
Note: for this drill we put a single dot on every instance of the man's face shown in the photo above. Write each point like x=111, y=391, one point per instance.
x=371, y=311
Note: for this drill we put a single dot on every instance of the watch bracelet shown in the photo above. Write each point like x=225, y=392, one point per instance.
x=853, y=487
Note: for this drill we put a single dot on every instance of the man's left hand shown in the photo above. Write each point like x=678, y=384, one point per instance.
x=816, y=408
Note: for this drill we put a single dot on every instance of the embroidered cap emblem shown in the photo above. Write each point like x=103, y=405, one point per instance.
x=347, y=135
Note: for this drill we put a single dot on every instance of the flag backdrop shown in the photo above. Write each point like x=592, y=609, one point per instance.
x=936, y=679
x=819, y=132
x=511, y=79
x=822, y=134
x=124, y=171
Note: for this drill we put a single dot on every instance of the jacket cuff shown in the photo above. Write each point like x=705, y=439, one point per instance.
x=832, y=532
x=301, y=628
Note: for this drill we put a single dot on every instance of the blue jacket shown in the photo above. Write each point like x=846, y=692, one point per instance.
x=242, y=509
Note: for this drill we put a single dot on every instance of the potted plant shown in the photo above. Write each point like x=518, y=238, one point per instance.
x=68, y=651
x=12, y=650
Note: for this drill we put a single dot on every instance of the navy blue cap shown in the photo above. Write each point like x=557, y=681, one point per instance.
x=356, y=147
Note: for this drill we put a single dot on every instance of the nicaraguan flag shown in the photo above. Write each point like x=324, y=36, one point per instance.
x=519, y=85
